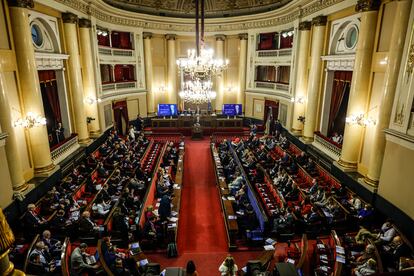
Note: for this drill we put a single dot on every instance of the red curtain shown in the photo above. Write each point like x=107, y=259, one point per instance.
x=120, y=112
x=266, y=41
x=124, y=73
x=286, y=42
x=103, y=40
x=48, y=87
x=342, y=82
x=121, y=40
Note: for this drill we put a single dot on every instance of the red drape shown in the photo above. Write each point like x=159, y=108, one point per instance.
x=48, y=86
x=121, y=40
x=124, y=73
x=120, y=111
x=286, y=42
x=342, y=81
x=103, y=40
x=266, y=41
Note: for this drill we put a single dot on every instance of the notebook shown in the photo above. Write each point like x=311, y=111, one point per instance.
x=134, y=248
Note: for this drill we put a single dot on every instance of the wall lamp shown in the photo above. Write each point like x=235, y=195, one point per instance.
x=298, y=100
x=92, y=100
x=360, y=120
x=30, y=121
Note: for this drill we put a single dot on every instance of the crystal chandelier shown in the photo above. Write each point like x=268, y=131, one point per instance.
x=197, y=92
x=200, y=65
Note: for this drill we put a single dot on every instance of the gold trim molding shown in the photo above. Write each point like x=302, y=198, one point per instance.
x=347, y=165
x=305, y=26
x=367, y=5
x=69, y=17
x=287, y=14
x=85, y=23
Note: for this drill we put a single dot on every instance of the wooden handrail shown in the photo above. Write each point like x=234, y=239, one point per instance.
x=29, y=250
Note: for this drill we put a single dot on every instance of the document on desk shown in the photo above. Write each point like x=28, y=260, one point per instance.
x=269, y=247
x=232, y=217
x=231, y=198
x=173, y=219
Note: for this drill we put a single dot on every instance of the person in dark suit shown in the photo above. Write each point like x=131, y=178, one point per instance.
x=86, y=226
x=118, y=268
x=53, y=245
x=33, y=222
x=120, y=223
x=164, y=210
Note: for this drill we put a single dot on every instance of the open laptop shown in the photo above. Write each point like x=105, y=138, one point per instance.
x=134, y=248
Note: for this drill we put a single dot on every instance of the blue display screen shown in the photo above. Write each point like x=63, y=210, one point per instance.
x=167, y=110
x=232, y=109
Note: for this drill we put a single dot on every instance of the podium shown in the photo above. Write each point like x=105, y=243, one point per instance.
x=196, y=132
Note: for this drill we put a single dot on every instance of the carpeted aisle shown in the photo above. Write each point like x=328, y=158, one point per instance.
x=201, y=230
x=201, y=227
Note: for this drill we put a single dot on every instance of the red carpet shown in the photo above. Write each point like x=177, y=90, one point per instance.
x=201, y=230
x=201, y=227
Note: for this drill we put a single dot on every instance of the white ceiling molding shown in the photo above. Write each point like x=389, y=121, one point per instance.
x=339, y=62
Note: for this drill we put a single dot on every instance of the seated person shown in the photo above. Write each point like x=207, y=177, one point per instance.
x=293, y=168
x=86, y=226
x=319, y=198
x=102, y=172
x=150, y=230
x=301, y=159
x=310, y=167
x=386, y=234
x=365, y=212
x=355, y=203
x=36, y=267
x=100, y=208
x=392, y=252
x=314, y=188
x=285, y=160
x=53, y=245
x=77, y=264
x=118, y=268
x=43, y=252
x=33, y=222
x=367, y=254
x=367, y=268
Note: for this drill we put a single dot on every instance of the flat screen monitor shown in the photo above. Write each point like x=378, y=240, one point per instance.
x=232, y=109
x=167, y=110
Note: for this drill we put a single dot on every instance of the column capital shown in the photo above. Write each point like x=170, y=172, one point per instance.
x=243, y=36
x=367, y=5
x=220, y=37
x=69, y=17
x=170, y=36
x=319, y=20
x=21, y=3
x=305, y=26
x=147, y=35
x=85, y=23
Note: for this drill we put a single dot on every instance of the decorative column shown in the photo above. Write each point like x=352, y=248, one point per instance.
x=242, y=68
x=12, y=148
x=172, y=68
x=88, y=77
x=301, y=76
x=148, y=71
x=402, y=14
x=75, y=77
x=219, y=78
x=318, y=34
x=29, y=84
x=359, y=93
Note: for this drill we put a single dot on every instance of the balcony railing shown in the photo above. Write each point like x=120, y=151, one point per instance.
x=64, y=148
x=107, y=51
x=272, y=85
x=326, y=145
x=119, y=85
x=274, y=53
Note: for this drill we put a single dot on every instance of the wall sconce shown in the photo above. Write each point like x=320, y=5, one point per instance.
x=30, y=121
x=298, y=100
x=287, y=33
x=92, y=100
x=102, y=33
x=361, y=120
x=229, y=89
x=384, y=61
x=162, y=89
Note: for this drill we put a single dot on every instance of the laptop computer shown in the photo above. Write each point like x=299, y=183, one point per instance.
x=134, y=248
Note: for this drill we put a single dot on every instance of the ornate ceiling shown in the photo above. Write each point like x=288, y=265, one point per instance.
x=185, y=8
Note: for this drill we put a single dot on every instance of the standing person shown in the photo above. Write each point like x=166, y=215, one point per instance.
x=228, y=267
x=191, y=269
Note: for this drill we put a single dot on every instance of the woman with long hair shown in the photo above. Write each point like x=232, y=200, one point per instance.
x=228, y=267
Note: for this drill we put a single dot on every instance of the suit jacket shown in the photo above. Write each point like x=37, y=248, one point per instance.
x=86, y=226
x=31, y=220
